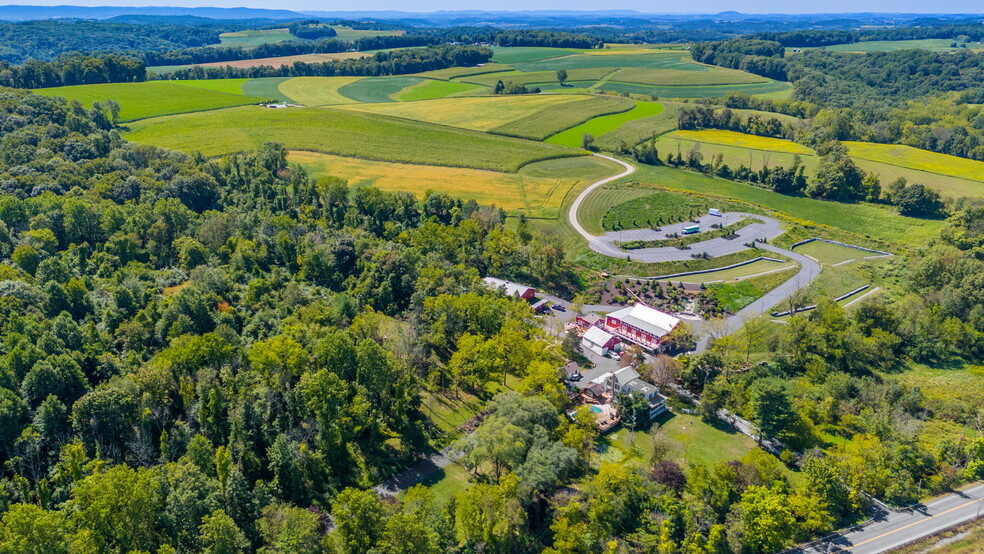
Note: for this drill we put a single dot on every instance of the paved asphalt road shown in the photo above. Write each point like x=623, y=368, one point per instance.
x=893, y=529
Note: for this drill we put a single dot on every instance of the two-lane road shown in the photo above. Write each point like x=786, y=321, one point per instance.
x=895, y=529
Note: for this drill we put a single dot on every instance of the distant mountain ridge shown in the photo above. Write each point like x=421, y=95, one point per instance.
x=29, y=13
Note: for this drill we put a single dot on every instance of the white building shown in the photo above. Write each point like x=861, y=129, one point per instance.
x=598, y=340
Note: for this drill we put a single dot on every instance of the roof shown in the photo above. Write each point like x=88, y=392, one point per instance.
x=597, y=335
x=626, y=375
x=539, y=304
x=642, y=387
x=571, y=368
x=511, y=288
x=590, y=319
x=643, y=317
x=595, y=388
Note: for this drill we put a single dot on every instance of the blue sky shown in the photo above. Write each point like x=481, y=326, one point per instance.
x=708, y=6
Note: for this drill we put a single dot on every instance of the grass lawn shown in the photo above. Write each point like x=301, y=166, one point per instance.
x=447, y=482
x=151, y=98
x=334, y=131
x=876, y=221
x=536, y=196
x=830, y=254
x=481, y=113
x=349, y=34
x=740, y=292
x=429, y=89
x=752, y=270
x=377, y=89
x=605, y=124
x=254, y=37
x=696, y=441
x=566, y=115
x=836, y=281
x=317, y=91
x=934, y=44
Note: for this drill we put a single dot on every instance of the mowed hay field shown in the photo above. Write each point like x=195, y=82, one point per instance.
x=933, y=44
x=377, y=89
x=538, y=197
x=600, y=126
x=528, y=116
x=676, y=77
x=334, y=131
x=152, y=98
x=289, y=60
x=950, y=175
x=430, y=89
x=317, y=91
x=254, y=37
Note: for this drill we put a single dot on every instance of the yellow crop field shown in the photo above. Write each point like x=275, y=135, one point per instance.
x=317, y=91
x=915, y=158
x=741, y=140
x=477, y=113
x=535, y=196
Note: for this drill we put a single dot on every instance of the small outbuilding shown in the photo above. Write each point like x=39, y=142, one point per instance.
x=598, y=340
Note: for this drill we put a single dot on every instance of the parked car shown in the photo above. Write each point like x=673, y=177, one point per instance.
x=559, y=308
x=614, y=355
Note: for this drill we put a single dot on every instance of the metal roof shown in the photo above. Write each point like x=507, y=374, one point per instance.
x=597, y=335
x=511, y=288
x=643, y=317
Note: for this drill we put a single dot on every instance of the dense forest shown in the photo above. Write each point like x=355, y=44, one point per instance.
x=225, y=355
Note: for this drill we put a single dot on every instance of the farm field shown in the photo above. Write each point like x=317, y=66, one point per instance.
x=152, y=98
x=526, y=54
x=538, y=197
x=933, y=44
x=950, y=175
x=254, y=37
x=879, y=222
x=430, y=89
x=289, y=60
x=349, y=34
x=266, y=87
x=529, y=116
x=643, y=129
x=539, y=78
x=317, y=91
x=646, y=58
x=677, y=77
x=228, y=86
x=458, y=72
x=695, y=91
x=376, y=89
x=605, y=124
x=344, y=133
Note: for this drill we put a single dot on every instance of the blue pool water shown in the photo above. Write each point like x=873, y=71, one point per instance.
x=596, y=409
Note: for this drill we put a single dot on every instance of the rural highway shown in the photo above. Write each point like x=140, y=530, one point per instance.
x=890, y=530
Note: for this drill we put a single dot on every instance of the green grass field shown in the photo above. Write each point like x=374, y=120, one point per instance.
x=638, y=130
x=151, y=98
x=458, y=72
x=377, y=89
x=539, y=78
x=756, y=268
x=830, y=254
x=879, y=222
x=228, y=86
x=317, y=91
x=651, y=60
x=255, y=37
x=266, y=87
x=920, y=160
x=344, y=133
x=933, y=44
x=429, y=89
x=537, y=191
x=350, y=34
x=605, y=124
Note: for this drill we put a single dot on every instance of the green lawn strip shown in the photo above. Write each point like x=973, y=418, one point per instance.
x=830, y=254
x=229, y=86
x=524, y=54
x=686, y=240
x=747, y=271
x=344, y=133
x=625, y=266
x=836, y=281
x=605, y=124
x=735, y=295
x=150, y=98
x=555, y=118
x=377, y=89
x=267, y=87
x=429, y=89
x=867, y=220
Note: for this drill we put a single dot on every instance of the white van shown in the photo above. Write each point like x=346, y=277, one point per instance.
x=714, y=211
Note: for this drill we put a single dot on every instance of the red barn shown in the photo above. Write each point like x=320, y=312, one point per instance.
x=641, y=324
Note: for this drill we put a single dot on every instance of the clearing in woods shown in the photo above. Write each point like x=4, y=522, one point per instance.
x=344, y=133
x=523, y=192
x=151, y=98
x=254, y=37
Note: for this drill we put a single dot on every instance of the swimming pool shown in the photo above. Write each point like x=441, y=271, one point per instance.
x=596, y=409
